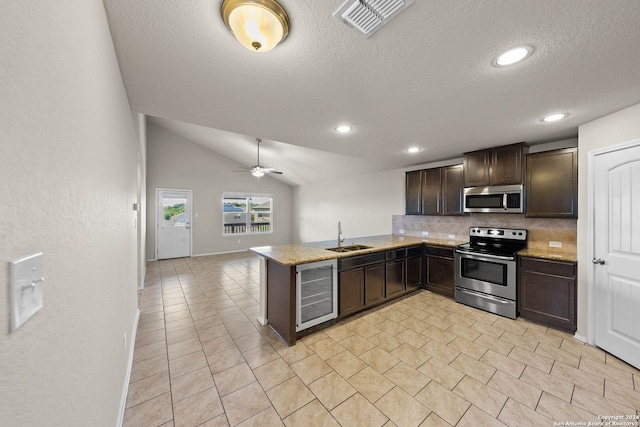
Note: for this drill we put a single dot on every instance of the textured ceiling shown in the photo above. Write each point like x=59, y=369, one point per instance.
x=425, y=79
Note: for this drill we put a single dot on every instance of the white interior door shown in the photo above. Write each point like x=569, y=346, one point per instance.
x=173, y=213
x=616, y=190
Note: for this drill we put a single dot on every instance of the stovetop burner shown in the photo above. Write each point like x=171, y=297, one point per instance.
x=495, y=241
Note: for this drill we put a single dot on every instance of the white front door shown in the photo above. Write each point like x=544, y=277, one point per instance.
x=173, y=213
x=616, y=252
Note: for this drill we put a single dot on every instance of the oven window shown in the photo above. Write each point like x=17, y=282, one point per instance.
x=484, y=201
x=485, y=271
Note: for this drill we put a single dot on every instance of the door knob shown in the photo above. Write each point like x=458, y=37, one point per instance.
x=598, y=261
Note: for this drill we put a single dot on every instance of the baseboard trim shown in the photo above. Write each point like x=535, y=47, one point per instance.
x=212, y=253
x=221, y=253
x=125, y=388
x=580, y=338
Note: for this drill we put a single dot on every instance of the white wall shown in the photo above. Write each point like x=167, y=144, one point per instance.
x=175, y=162
x=617, y=128
x=364, y=204
x=68, y=153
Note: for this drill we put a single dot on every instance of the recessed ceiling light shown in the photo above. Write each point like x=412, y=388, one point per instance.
x=554, y=117
x=413, y=149
x=344, y=128
x=512, y=56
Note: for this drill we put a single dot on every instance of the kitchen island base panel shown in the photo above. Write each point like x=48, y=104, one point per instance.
x=281, y=300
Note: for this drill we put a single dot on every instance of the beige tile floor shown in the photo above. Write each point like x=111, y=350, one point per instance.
x=201, y=359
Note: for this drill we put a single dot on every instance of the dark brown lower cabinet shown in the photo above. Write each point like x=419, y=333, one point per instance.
x=351, y=291
x=368, y=280
x=414, y=271
x=440, y=274
x=547, y=292
x=374, y=284
x=395, y=277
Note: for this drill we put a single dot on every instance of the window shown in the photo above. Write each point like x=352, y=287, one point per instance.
x=246, y=213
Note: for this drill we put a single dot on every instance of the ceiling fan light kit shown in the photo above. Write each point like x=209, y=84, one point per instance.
x=258, y=170
x=258, y=25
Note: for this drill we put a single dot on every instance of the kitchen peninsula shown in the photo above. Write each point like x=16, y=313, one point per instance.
x=388, y=267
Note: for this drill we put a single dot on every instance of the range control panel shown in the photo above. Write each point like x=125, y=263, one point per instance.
x=498, y=233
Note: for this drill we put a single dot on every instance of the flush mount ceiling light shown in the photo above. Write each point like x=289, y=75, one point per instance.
x=554, y=117
x=414, y=150
x=512, y=56
x=344, y=129
x=259, y=25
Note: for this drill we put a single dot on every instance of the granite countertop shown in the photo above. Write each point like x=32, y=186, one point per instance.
x=303, y=253
x=550, y=254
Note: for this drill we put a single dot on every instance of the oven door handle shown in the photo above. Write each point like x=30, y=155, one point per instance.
x=477, y=255
x=485, y=296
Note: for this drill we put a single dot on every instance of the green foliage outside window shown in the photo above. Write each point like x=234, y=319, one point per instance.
x=171, y=211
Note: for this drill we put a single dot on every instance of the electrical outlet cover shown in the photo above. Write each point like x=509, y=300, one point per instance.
x=26, y=289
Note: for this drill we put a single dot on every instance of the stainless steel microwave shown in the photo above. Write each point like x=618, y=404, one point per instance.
x=496, y=199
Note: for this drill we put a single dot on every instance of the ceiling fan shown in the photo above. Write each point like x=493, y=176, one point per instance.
x=258, y=170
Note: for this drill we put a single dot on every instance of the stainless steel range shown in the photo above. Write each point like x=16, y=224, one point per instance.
x=485, y=269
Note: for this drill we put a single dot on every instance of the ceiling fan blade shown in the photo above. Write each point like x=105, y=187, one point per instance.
x=272, y=170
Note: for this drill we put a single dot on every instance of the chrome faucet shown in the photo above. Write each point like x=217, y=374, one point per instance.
x=340, y=237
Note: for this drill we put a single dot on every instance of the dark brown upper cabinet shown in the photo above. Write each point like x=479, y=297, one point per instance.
x=440, y=191
x=452, y=190
x=432, y=191
x=413, y=193
x=477, y=167
x=495, y=166
x=552, y=184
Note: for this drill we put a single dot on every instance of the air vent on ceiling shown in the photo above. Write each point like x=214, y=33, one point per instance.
x=368, y=16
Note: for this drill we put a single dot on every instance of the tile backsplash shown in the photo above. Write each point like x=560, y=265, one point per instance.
x=541, y=230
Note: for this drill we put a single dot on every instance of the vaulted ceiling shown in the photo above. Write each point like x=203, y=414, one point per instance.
x=426, y=79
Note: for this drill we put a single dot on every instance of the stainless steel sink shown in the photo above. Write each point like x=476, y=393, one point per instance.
x=349, y=248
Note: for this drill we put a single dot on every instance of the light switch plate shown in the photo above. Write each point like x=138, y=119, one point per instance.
x=26, y=277
x=401, y=231
x=452, y=236
x=425, y=233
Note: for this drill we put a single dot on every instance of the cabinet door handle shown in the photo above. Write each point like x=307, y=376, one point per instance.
x=598, y=261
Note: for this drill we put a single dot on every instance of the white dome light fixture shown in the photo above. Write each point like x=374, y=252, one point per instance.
x=259, y=25
x=413, y=150
x=513, y=56
x=554, y=117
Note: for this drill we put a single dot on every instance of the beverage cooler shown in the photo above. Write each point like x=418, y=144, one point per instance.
x=316, y=293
